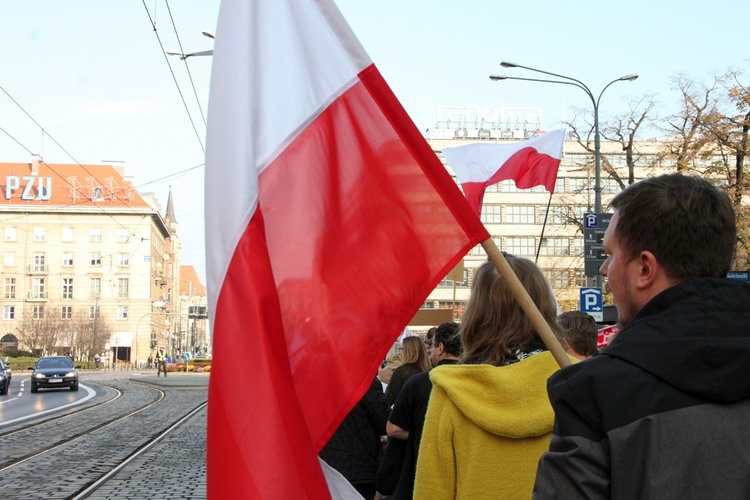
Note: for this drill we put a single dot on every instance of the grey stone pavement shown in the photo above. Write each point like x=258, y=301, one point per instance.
x=175, y=467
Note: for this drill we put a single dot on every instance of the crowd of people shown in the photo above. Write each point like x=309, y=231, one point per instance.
x=483, y=410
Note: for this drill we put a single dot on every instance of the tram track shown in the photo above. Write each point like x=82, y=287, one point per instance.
x=82, y=452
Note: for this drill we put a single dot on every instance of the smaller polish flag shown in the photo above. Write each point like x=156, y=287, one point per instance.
x=529, y=163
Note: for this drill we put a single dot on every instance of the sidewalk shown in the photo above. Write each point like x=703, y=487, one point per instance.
x=174, y=379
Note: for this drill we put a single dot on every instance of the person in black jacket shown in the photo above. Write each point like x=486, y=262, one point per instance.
x=663, y=411
x=356, y=448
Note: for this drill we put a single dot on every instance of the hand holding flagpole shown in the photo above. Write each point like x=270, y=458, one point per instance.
x=528, y=306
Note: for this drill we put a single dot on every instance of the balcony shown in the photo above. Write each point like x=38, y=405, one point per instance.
x=38, y=268
x=34, y=296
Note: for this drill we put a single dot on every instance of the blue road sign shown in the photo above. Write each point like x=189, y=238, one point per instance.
x=739, y=275
x=591, y=302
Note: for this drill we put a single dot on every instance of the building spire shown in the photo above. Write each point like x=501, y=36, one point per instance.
x=169, y=216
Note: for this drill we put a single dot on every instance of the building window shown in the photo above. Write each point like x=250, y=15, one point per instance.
x=40, y=234
x=578, y=247
x=39, y=262
x=557, y=215
x=122, y=288
x=67, y=234
x=520, y=246
x=555, y=246
x=10, y=288
x=66, y=312
x=95, y=234
x=578, y=185
x=519, y=214
x=581, y=278
x=9, y=312
x=67, y=288
x=123, y=259
x=93, y=312
x=96, y=259
x=122, y=312
x=11, y=233
x=491, y=214
x=9, y=259
x=95, y=287
x=37, y=312
x=123, y=235
x=67, y=259
x=38, y=288
x=558, y=278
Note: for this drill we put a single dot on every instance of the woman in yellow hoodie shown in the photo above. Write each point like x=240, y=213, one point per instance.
x=489, y=419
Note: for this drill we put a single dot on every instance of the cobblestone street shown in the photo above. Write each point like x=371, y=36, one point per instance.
x=174, y=467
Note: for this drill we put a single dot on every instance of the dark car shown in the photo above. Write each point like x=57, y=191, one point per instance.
x=4, y=383
x=5, y=367
x=54, y=372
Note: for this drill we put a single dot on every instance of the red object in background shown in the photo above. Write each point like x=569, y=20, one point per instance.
x=606, y=335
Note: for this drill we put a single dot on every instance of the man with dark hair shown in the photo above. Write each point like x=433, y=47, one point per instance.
x=662, y=412
x=579, y=334
x=407, y=417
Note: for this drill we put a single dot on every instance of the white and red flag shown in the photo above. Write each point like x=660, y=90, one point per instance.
x=328, y=221
x=529, y=163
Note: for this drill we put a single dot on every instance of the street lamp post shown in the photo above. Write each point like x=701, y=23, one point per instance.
x=594, y=101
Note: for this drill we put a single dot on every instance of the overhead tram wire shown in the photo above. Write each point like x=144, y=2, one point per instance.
x=187, y=67
x=174, y=78
x=52, y=169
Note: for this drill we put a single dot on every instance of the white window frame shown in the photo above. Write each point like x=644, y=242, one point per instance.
x=122, y=312
x=95, y=234
x=67, y=259
x=123, y=235
x=40, y=233
x=9, y=288
x=9, y=313
x=67, y=234
x=96, y=259
x=11, y=233
x=9, y=259
x=67, y=288
x=66, y=312
x=123, y=259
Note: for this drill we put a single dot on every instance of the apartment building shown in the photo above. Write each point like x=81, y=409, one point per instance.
x=530, y=222
x=81, y=247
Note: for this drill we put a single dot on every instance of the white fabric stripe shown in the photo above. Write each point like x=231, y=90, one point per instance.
x=478, y=162
x=277, y=64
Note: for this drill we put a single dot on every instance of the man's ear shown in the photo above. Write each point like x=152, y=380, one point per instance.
x=648, y=271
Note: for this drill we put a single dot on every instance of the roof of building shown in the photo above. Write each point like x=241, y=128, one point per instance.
x=74, y=186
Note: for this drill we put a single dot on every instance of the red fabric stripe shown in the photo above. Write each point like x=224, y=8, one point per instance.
x=258, y=446
x=358, y=237
x=527, y=167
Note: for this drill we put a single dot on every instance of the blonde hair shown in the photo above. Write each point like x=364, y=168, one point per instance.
x=393, y=358
x=415, y=353
x=494, y=326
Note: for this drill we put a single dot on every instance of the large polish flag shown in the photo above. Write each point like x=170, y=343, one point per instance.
x=529, y=163
x=328, y=221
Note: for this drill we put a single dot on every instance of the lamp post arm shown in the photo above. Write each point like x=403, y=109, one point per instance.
x=579, y=83
x=575, y=83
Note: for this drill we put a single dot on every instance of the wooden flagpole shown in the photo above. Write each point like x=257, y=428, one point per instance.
x=528, y=306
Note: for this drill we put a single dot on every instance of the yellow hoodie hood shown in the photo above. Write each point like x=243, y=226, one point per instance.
x=509, y=401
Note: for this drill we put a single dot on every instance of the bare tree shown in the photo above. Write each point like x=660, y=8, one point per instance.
x=623, y=129
x=686, y=140
x=710, y=136
x=91, y=336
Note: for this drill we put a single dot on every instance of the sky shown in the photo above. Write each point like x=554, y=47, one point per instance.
x=88, y=81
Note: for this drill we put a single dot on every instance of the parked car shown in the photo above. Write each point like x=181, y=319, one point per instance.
x=4, y=383
x=54, y=372
x=5, y=367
